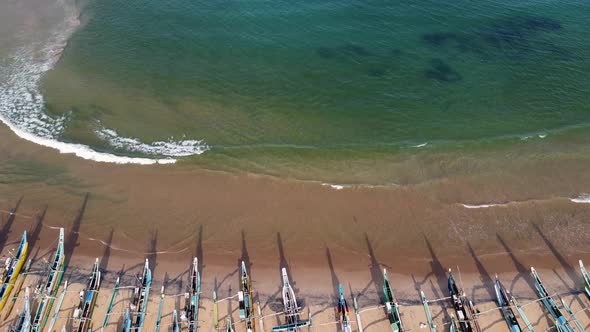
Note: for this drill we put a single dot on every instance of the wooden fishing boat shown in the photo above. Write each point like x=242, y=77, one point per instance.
x=459, y=303
x=245, y=299
x=83, y=314
x=23, y=324
x=141, y=295
x=48, y=291
x=126, y=327
x=343, y=311
x=586, y=278
x=391, y=305
x=453, y=327
x=560, y=320
x=191, y=308
x=12, y=269
x=291, y=309
x=504, y=303
x=175, y=324
x=229, y=325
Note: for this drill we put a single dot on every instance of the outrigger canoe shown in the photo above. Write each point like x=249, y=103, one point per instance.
x=290, y=308
x=12, y=270
x=126, y=327
x=175, y=324
x=343, y=311
x=245, y=299
x=191, y=308
x=141, y=295
x=459, y=304
x=83, y=314
x=391, y=305
x=23, y=324
x=560, y=320
x=586, y=278
x=48, y=291
x=504, y=303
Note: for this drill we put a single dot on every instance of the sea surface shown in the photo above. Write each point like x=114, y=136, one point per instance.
x=339, y=91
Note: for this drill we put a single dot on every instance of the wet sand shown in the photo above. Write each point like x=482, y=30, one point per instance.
x=170, y=213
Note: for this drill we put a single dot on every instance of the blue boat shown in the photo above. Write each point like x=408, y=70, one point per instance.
x=126, y=327
x=191, y=308
x=504, y=303
x=459, y=304
x=140, y=297
x=245, y=299
x=343, y=311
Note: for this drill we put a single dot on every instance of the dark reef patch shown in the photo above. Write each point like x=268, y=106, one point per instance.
x=519, y=33
x=326, y=53
x=356, y=50
x=442, y=71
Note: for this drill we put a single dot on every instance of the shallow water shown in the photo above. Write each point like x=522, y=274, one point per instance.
x=324, y=90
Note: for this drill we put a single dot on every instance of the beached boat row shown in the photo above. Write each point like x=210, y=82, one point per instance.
x=464, y=319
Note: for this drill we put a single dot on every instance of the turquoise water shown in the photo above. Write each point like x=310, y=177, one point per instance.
x=273, y=86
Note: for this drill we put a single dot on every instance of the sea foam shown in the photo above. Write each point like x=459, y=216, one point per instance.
x=22, y=109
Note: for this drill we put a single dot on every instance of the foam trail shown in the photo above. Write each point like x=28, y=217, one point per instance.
x=420, y=145
x=583, y=198
x=483, y=206
x=22, y=108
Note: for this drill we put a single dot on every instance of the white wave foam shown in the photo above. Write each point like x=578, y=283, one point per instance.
x=482, y=206
x=336, y=186
x=583, y=198
x=22, y=108
x=420, y=145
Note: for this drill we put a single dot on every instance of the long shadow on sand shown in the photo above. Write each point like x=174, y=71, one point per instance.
x=485, y=278
x=376, y=274
x=8, y=224
x=71, y=240
x=34, y=234
x=106, y=254
x=523, y=272
x=152, y=252
x=335, y=283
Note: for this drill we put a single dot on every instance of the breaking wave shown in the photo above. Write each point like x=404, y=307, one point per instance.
x=22, y=108
x=583, y=198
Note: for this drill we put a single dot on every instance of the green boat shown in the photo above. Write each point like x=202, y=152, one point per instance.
x=391, y=305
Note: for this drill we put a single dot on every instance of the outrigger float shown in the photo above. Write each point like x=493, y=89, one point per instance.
x=191, y=309
x=460, y=304
x=391, y=306
x=343, y=311
x=560, y=320
x=23, y=324
x=586, y=278
x=48, y=291
x=83, y=314
x=291, y=309
x=503, y=300
x=141, y=294
x=245, y=299
x=12, y=269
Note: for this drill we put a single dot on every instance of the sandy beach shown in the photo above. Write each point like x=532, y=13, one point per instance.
x=123, y=214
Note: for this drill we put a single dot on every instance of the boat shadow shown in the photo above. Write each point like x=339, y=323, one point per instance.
x=8, y=224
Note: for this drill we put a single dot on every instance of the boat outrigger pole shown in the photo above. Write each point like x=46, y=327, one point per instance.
x=428, y=314
x=111, y=304
x=571, y=313
x=560, y=320
x=291, y=309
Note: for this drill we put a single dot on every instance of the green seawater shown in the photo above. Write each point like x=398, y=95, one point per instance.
x=338, y=90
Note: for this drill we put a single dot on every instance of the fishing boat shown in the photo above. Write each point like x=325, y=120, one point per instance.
x=12, y=269
x=343, y=311
x=586, y=278
x=191, y=308
x=48, y=291
x=459, y=304
x=391, y=305
x=245, y=299
x=126, y=327
x=504, y=303
x=291, y=309
x=23, y=324
x=453, y=327
x=175, y=324
x=229, y=325
x=141, y=295
x=83, y=314
x=560, y=320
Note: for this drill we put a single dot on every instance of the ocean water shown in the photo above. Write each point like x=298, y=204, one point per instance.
x=347, y=90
